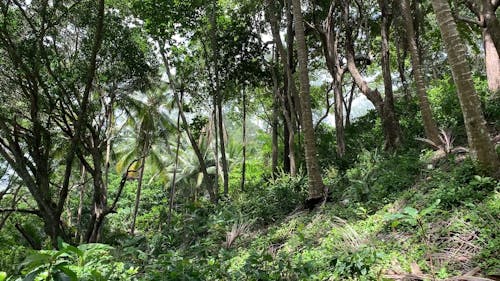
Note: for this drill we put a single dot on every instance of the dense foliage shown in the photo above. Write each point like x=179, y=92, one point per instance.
x=201, y=140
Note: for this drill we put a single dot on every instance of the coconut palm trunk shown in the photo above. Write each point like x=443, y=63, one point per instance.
x=316, y=186
x=477, y=134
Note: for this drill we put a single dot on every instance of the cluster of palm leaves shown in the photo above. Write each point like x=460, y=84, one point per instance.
x=150, y=130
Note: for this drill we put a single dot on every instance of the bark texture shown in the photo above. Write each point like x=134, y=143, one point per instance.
x=477, y=134
x=430, y=127
x=316, y=186
x=492, y=62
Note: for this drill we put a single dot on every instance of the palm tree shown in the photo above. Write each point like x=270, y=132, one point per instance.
x=148, y=123
x=316, y=186
x=477, y=134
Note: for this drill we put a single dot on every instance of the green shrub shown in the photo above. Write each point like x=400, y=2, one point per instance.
x=85, y=262
x=378, y=177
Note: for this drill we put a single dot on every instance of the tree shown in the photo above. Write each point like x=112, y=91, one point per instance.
x=330, y=39
x=484, y=11
x=289, y=89
x=316, y=186
x=430, y=127
x=28, y=139
x=475, y=125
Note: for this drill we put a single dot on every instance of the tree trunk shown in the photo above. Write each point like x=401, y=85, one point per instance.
x=477, y=134
x=294, y=97
x=348, y=106
x=275, y=123
x=80, y=205
x=244, y=152
x=329, y=40
x=174, y=177
x=339, y=114
x=286, y=147
x=290, y=113
x=194, y=144
x=401, y=54
x=316, y=186
x=99, y=201
x=395, y=131
x=109, y=138
x=492, y=62
x=225, y=168
x=138, y=195
x=492, y=23
x=430, y=127
x=373, y=95
x=218, y=97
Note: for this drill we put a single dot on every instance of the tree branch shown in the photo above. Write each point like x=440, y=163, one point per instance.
x=328, y=107
x=468, y=20
x=122, y=185
x=24, y=211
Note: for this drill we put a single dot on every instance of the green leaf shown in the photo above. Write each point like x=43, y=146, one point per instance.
x=3, y=276
x=61, y=276
x=412, y=212
x=35, y=260
x=68, y=272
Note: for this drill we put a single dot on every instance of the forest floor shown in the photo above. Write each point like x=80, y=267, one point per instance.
x=443, y=227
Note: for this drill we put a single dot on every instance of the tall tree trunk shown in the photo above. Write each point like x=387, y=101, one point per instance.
x=275, y=121
x=225, y=168
x=244, y=152
x=492, y=62
x=430, y=127
x=401, y=54
x=287, y=99
x=294, y=97
x=316, y=186
x=395, y=131
x=218, y=96
x=137, y=196
x=339, y=113
x=477, y=134
x=216, y=144
x=144, y=151
x=109, y=138
x=174, y=177
x=329, y=39
x=99, y=200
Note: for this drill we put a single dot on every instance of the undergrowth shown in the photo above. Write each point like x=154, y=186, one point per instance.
x=388, y=214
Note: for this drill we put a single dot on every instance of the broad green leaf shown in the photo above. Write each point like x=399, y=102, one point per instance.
x=68, y=272
x=411, y=211
x=34, y=260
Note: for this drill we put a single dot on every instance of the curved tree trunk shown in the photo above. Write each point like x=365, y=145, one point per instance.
x=430, y=127
x=316, y=186
x=475, y=125
x=390, y=125
x=194, y=144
